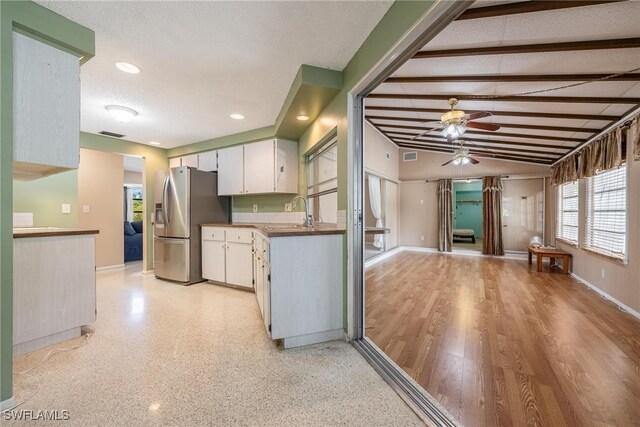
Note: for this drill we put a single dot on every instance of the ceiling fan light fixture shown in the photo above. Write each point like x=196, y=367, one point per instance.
x=465, y=161
x=452, y=115
x=457, y=161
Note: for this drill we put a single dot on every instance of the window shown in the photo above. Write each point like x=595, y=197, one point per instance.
x=606, y=221
x=322, y=182
x=567, y=220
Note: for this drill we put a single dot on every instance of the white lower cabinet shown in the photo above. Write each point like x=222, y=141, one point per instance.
x=227, y=256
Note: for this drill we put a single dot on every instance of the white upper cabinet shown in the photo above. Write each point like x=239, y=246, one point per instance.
x=208, y=161
x=190, y=160
x=258, y=167
x=230, y=171
x=176, y=162
x=46, y=109
x=263, y=167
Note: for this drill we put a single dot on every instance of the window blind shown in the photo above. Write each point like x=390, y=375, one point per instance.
x=567, y=215
x=606, y=222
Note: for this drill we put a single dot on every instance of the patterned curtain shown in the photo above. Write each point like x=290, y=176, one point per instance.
x=634, y=131
x=565, y=171
x=492, y=216
x=602, y=154
x=445, y=215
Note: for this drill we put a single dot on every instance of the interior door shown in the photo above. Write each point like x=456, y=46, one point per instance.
x=259, y=167
x=231, y=171
x=522, y=212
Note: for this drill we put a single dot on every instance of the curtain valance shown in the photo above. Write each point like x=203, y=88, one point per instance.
x=602, y=154
x=635, y=129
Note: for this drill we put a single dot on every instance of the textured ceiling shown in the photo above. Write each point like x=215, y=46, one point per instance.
x=202, y=61
x=593, y=22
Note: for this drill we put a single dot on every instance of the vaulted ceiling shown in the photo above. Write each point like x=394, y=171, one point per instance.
x=492, y=57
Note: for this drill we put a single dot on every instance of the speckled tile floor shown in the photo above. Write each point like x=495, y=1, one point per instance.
x=165, y=354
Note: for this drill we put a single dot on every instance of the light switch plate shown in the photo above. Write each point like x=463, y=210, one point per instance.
x=66, y=208
x=86, y=208
x=255, y=207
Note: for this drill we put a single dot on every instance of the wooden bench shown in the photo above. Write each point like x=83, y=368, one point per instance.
x=552, y=254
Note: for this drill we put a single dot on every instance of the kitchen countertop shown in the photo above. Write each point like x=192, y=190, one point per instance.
x=282, y=230
x=49, y=232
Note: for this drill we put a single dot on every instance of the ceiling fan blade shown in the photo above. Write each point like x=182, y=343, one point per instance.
x=473, y=161
x=445, y=164
x=476, y=116
x=424, y=133
x=483, y=126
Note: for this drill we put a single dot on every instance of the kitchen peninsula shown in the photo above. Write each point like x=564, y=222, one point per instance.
x=296, y=273
x=54, y=291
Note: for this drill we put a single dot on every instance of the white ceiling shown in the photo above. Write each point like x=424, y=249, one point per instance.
x=594, y=22
x=202, y=61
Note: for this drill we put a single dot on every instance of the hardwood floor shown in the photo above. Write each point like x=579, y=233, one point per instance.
x=497, y=343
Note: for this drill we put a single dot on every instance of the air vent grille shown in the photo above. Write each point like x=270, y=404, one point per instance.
x=111, y=134
x=410, y=156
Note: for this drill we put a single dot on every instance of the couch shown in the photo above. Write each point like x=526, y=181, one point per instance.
x=133, y=240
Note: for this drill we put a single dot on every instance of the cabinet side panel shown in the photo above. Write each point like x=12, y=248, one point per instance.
x=306, y=296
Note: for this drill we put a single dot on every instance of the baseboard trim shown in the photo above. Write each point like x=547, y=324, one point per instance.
x=7, y=404
x=605, y=295
x=382, y=256
x=465, y=252
x=110, y=267
x=147, y=271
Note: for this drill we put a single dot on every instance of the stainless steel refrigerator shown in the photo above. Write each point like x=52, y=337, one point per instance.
x=184, y=198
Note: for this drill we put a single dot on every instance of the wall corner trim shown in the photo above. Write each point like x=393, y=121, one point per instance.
x=7, y=404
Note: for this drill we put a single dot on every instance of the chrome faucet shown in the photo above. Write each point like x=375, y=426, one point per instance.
x=308, y=219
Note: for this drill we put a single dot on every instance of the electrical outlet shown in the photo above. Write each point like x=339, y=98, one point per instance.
x=86, y=208
x=66, y=208
x=422, y=238
x=422, y=202
x=287, y=207
x=255, y=207
x=602, y=273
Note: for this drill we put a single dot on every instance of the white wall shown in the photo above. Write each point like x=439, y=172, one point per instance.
x=376, y=148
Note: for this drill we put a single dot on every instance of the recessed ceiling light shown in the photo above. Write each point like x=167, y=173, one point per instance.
x=237, y=116
x=127, y=68
x=302, y=117
x=120, y=113
x=154, y=143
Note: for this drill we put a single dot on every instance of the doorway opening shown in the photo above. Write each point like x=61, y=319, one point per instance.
x=467, y=215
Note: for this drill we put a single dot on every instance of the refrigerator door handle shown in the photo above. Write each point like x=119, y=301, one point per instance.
x=165, y=199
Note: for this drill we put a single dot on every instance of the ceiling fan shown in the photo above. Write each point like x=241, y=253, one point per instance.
x=455, y=122
x=461, y=156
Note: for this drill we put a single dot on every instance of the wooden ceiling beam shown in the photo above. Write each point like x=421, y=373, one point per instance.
x=504, y=125
x=626, y=43
x=514, y=78
x=523, y=7
x=487, y=141
x=498, y=134
x=439, y=111
x=513, y=98
x=490, y=149
x=528, y=159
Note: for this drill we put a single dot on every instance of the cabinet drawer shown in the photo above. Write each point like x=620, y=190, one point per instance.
x=213, y=233
x=239, y=236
